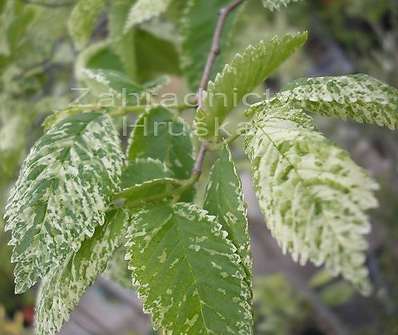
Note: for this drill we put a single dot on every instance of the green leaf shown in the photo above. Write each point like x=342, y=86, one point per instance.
x=123, y=44
x=187, y=272
x=112, y=82
x=337, y=294
x=83, y=19
x=313, y=195
x=159, y=134
x=102, y=72
x=135, y=173
x=277, y=4
x=15, y=20
x=144, y=10
x=62, y=193
x=149, y=191
x=99, y=56
x=63, y=287
x=358, y=97
x=224, y=199
x=51, y=120
x=197, y=28
x=279, y=307
x=245, y=73
x=144, y=55
x=155, y=56
x=142, y=170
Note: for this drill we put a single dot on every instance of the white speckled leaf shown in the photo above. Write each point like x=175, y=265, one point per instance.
x=63, y=287
x=358, y=97
x=62, y=193
x=277, y=4
x=187, y=272
x=144, y=10
x=313, y=195
x=224, y=199
x=83, y=19
x=245, y=72
x=110, y=81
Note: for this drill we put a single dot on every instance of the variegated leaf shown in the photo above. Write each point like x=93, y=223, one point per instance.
x=144, y=10
x=187, y=272
x=313, y=195
x=358, y=97
x=62, y=193
x=83, y=19
x=224, y=199
x=277, y=4
x=63, y=287
x=241, y=76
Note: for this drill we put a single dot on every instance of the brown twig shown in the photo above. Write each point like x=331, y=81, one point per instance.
x=211, y=58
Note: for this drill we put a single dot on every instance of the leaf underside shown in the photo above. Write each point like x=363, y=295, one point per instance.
x=245, y=72
x=358, y=97
x=187, y=272
x=313, y=195
x=61, y=194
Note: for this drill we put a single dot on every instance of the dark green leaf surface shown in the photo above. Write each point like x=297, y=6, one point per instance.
x=224, y=199
x=149, y=191
x=159, y=134
x=155, y=56
x=142, y=170
x=124, y=45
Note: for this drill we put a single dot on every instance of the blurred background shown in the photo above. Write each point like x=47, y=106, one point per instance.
x=37, y=64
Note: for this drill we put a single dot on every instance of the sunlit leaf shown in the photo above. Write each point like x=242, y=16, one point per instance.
x=313, y=195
